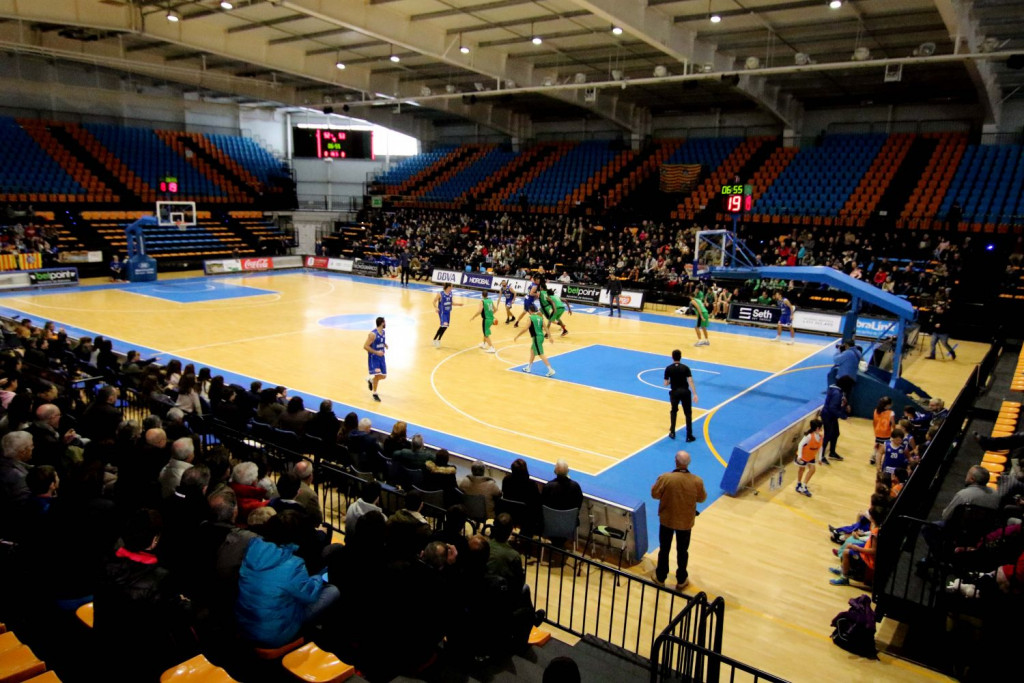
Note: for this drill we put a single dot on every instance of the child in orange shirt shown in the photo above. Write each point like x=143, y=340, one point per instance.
x=807, y=454
x=885, y=420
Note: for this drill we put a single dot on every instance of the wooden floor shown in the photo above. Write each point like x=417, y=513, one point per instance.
x=767, y=555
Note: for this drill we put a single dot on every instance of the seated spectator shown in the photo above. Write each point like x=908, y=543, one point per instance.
x=408, y=531
x=303, y=471
x=975, y=492
x=276, y=595
x=174, y=425
x=440, y=476
x=249, y=496
x=182, y=455
x=188, y=397
x=172, y=371
x=269, y=410
x=140, y=618
x=325, y=424
x=182, y=513
x=101, y=418
x=415, y=456
x=52, y=447
x=369, y=501
x=364, y=449
x=348, y=426
x=228, y=411
x=396, y=440
x=504, y=560
x=519, y=487
x=312, y=540
x=295, y=416
x=859, y=563
x=14, y=467
x=477, y=483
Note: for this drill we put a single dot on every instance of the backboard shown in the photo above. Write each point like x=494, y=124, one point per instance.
x=177, y=214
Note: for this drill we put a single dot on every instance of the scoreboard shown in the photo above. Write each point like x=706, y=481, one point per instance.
x=332, y=143
x=738, y=198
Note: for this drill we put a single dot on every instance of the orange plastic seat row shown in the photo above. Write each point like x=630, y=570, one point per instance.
x=196, y=670
x=20, y=664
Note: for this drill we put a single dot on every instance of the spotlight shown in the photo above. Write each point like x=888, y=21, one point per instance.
x=715, y=19
x=835, y=4
x=617, y=31
x=395, y=58
x=225, y=5
x=463, y=49
x=537, y=40
x=173, y=16
x=340, y=66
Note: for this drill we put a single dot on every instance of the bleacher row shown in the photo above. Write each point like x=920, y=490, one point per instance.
x=837, y=182
x=59, y=162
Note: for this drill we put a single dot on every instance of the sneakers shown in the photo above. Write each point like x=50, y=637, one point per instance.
x=952, y=352
x=789, y=342
x=691, y=439
x=872, y=460
x=564, y=332
x=655, y=579
x=437, y=343
x=702, y=342
x=836, y=570
x=841, y=581
x=681, y=585
x=527, y=370
x=836, y=457
x=550, y=373
x=824, y=461
x=777, y=339
x=517, y=324
x=929, y=357
x=376, y=398
x=672, y=435
x=490, y=349
x=369, y=385
x=483, y=345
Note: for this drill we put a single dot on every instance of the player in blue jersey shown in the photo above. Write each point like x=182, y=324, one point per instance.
x=530, y=300
x=509, y=295
x=375, y=346
x=443, y=302
x=785, y=317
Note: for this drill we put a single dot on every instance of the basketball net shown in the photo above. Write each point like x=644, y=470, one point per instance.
x=181, y=225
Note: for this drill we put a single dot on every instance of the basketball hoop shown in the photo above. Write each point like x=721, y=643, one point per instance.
x=181, y=225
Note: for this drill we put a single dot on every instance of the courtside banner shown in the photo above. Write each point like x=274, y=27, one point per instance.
x=14, y=280
x=815, y=321
x=365, y=268
x=325, y=263
x=53, y=276
x=584, y=294
x=446, y=277
x=481, y=280
x=754, y=313
x=629, y=298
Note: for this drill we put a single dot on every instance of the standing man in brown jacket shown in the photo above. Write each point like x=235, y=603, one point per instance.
x=678, y=492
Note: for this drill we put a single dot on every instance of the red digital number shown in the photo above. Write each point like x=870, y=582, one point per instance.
x=734, y=203
x=749, y=204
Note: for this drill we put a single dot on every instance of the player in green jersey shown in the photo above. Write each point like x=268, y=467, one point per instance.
x=536, y=329
x=702, y=321
x=486, y=313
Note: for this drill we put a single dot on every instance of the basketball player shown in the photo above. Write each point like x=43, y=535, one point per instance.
x=536, y=329
x=486, y=312
x=530, y=300
x=785, y=317
x=375, y=347
x=509, y=295
x=443, y=302
x=555, y=309
x=702, y=321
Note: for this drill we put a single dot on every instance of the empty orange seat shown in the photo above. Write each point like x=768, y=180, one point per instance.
x=539, y=637
x=47, y=677
x=8, y=641
x=310, y=663
x=84, y=614
x=20, y=664
x=198, y=670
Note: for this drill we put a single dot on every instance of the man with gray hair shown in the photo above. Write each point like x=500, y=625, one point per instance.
x=678, y=493
x=477, y=483
x=174, y=424
x=14, y=466
x=182, y=454
x=561, y=493
x=364, y=449
x=414, y=457
x=306, y=497
x=975, y=492
x=51, y=447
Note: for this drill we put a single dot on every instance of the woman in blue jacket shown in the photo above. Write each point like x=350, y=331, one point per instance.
x=276, y=595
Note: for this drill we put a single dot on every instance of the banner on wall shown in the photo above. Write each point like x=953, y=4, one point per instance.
x=809, y=321
x=574, y=293
x=251, y=265
x=364, y=268
x=340, y=265
x=53, y=276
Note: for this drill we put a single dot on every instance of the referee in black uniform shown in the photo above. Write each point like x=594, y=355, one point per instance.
x=679, y=380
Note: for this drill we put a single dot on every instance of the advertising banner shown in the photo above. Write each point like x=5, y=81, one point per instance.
x=754, y=313
x=364, y=268
x=446, y=277
x=584, y=294
x=324, y=263
x=53, y=276
x=263, y=263
x=13, y=280
x=80, y=257
x=218, y=266
x=816, y=321
x=481, y=280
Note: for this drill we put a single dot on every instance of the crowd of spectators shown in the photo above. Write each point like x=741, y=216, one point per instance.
x=657, y=256
x=183, y=548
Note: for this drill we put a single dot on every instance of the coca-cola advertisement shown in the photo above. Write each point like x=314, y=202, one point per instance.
x=263, y=263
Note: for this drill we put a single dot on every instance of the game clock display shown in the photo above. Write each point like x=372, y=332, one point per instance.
x=332, y=143
x=169, y=184
x=738, y=198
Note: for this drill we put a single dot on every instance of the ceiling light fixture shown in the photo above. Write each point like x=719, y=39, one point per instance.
x=173, y=16
x=616, y=30
x=463, y=48
x=835, y=4
x=339, y=65
x=536, y=40
x=394, y=58
x=225, y=5
x=715, y=19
